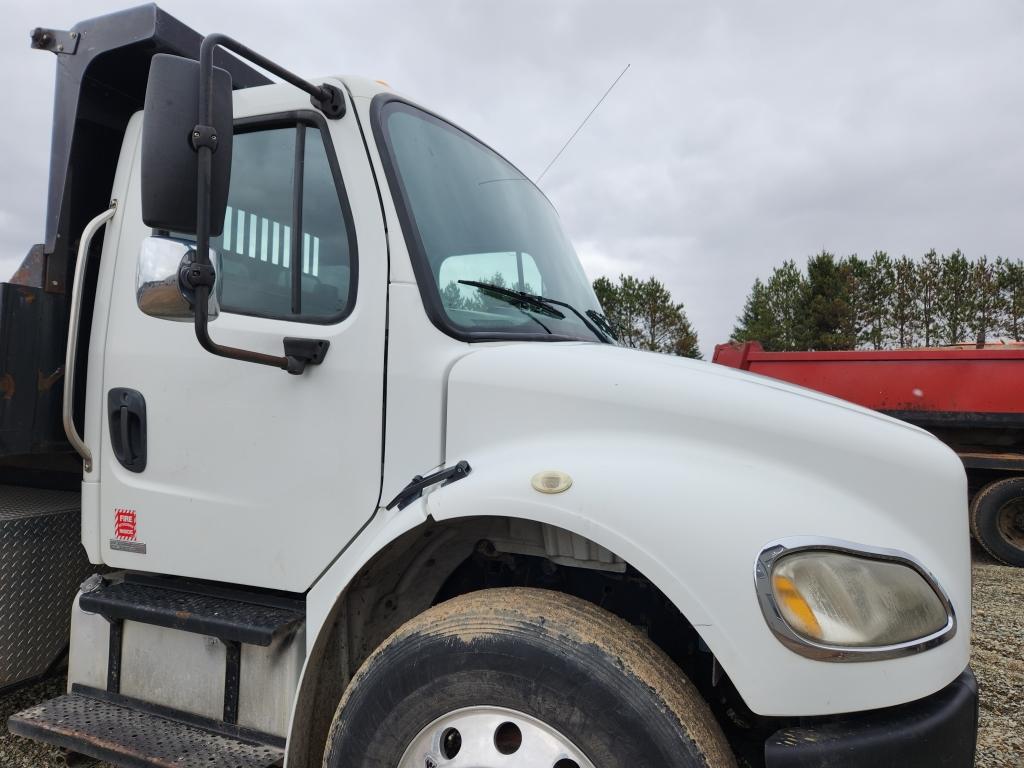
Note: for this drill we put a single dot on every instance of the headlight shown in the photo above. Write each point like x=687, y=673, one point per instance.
x=842, y=602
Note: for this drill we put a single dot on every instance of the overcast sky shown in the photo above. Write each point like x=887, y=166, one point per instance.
x=743, y=134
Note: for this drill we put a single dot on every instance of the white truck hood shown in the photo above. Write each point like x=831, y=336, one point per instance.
x=564, y=381
x=690, y=469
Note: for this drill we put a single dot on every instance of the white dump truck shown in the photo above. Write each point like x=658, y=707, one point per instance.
x=318, y=450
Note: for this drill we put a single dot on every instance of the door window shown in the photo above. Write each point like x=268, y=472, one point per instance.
x=288, y=246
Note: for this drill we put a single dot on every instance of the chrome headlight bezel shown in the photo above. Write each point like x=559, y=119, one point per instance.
x=776, y=550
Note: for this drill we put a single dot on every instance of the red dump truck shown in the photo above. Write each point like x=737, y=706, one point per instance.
x=970, y=398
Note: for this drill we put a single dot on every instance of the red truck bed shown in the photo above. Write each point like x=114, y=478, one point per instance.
x=971, y=399
x=944, y=386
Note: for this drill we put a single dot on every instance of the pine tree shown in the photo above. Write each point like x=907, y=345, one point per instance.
x=903, y=312
x=645, y=316
x=621, y=304
x=855, y=273
x=625, y=311
x=827, y=304
x=787, y=290
x=756, y=322
x=1010, y=276
x=876, y=290
x=685, y=343
x=987, y=301
x=659, y=317
x=607, y=294
x=929, y=275
x=452, y=298
x=604, y=289
x=954, y=300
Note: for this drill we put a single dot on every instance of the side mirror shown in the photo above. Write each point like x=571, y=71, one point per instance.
x=158, y=290
x=169, y=160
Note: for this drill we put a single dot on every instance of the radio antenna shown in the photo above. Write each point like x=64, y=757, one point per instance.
x=580, y=127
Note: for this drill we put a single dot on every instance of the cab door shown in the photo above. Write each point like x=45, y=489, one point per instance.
x=252, y=475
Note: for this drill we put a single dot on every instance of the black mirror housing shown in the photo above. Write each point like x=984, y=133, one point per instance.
x=169, y=160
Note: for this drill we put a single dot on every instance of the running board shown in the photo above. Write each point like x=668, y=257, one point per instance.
x=132, y=734
x=231, y=616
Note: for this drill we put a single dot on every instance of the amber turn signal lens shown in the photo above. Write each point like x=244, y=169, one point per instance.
x=844, y=600
x=795, y=610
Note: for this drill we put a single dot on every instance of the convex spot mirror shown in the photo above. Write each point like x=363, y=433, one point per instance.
x=158, y=288
x=169, y=172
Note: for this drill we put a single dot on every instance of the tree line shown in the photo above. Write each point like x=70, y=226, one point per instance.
x=884, y=302
x=832, y=303
x=644, y=316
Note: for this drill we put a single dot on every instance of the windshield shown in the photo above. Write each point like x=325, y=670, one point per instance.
x=473, y=217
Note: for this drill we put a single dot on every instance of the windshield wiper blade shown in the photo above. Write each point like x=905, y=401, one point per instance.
x=604, y=323
x=537, y=302
x=545, y=305
x=513, y=298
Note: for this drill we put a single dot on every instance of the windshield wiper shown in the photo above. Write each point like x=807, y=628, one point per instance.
x=605, y=324
x=543, y=304
x=519, y=302
x=514, y=297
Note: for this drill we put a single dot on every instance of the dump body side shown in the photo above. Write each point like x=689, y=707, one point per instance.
x=969, y=398
x=102, y=69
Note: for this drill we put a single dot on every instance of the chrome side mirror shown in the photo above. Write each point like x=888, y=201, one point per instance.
x=158, y=288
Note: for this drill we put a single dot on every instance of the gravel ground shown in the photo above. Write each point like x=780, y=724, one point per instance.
x=998, y=661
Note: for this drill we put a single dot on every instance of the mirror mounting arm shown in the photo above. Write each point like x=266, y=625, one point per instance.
x=330, y=101
x=204, y=136
x=325, y=97
x=195, y=275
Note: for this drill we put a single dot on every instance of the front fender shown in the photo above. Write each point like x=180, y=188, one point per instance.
x=692, y=519
x=691, y=503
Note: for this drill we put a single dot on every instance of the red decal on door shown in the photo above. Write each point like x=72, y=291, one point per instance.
x=125, y=524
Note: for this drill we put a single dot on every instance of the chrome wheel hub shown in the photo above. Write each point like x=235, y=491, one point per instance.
x=491, y=737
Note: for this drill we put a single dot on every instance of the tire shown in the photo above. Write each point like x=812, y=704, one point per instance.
x=535, y=658
x=997, y=520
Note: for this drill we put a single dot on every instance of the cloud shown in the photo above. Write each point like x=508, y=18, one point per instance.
x=743, y=134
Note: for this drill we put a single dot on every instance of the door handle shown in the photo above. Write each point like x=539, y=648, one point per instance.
x=126, y=409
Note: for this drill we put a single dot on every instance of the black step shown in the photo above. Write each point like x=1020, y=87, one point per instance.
x=232, y=618
x=129, y=734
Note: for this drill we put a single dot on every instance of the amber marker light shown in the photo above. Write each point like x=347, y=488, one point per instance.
x=795, y=610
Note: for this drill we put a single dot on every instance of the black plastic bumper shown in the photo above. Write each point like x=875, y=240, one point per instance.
x=939, y=731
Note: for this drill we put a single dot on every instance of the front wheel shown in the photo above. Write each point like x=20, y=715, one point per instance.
x=997, y=519
x=538, y=677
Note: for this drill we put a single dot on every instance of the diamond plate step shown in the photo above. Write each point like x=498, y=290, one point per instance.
x=124, y=735
x=228, y=617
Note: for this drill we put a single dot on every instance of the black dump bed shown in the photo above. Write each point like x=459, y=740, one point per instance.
x=102, y=69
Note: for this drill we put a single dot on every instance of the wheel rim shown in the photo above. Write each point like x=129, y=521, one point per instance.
x=1011, y=522
x=491, y=737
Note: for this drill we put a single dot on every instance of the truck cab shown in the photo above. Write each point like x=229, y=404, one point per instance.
x=363, y=478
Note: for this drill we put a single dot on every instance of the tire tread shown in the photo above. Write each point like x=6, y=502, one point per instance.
x=979, y=506
x=567, y=623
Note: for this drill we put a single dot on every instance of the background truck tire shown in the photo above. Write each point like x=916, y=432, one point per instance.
x=588, y=676
x=997, y=520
